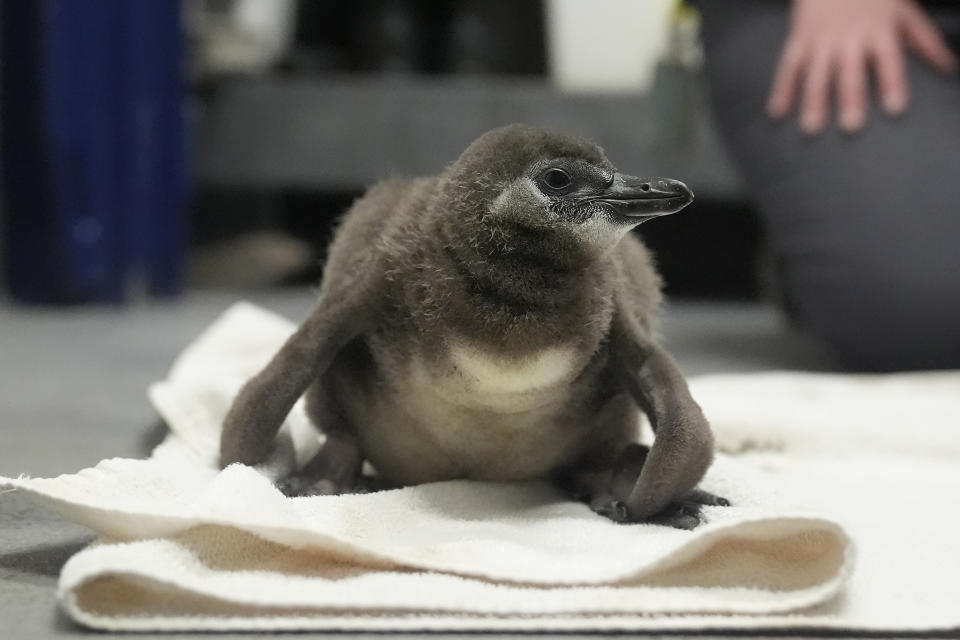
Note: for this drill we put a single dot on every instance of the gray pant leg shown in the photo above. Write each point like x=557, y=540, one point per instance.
x=866, y=228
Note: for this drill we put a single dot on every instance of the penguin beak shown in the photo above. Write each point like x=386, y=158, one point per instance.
x=644, y=198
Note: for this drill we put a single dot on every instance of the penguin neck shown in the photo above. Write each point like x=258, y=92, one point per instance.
x=519, y=267
x=455, y=284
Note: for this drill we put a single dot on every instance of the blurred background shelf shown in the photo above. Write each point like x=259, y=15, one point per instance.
x=343, y=133
x=290, y=152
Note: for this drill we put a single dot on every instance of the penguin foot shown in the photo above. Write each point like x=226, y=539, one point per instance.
x=335, y=469
x=705, y=498
x=298, y=486
x=371, y=484
x=303, y=485
x=679, y=515
x=609, y=507
x=685, y=513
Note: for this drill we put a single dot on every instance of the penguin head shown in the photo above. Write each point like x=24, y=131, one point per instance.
x=556, y=184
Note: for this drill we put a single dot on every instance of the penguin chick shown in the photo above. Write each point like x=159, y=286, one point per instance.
x=494, y=323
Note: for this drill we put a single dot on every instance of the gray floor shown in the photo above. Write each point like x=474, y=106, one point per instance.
x=72, y=388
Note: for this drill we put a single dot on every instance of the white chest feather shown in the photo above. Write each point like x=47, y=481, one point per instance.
x=485, y=374
x=462, y=416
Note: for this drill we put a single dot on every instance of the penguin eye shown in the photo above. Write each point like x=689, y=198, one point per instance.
x=556, y=179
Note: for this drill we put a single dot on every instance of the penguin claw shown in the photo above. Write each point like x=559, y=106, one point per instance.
x=289, y=487
x=611, y=508
x=705, y=498
x=679, y=515
x=685, y=521
x=687, y=513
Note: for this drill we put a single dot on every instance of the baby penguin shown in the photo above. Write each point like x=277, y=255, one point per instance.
x=495, y=322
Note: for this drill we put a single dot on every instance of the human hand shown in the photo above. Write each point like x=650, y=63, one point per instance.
x=833, y=43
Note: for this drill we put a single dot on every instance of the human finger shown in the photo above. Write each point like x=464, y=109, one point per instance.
x=785, y=80
x=851, y=89
x=816, y=88
x=925, y=39
x=891, y=74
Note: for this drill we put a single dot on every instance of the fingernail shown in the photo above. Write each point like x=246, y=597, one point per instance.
x=850, y=121
x=895, y=104
x=810, y=125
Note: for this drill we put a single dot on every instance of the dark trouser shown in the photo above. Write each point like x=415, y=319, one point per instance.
x=865, y=228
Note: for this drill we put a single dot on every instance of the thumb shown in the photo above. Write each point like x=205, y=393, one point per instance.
x=924, y=38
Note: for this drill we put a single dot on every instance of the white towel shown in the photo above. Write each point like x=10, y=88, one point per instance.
x=183, y=546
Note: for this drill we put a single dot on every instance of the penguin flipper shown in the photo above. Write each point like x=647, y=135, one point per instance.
x=263, y=403
x=683, y=447
x=606, y=493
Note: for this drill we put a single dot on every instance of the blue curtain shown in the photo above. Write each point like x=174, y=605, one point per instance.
x=96, y=171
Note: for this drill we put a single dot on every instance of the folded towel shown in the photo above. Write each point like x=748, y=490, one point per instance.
x=185, y=546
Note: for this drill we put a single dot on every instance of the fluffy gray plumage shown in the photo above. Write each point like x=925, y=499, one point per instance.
x=494, y=322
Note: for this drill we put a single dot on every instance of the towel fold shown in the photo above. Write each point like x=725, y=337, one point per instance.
x=185, y=546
